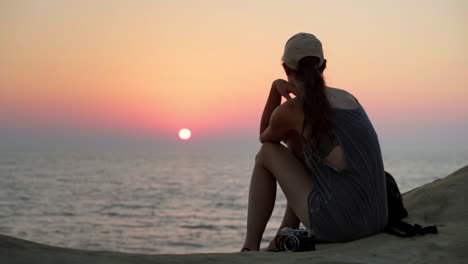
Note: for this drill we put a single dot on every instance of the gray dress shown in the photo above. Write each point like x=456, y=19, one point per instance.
x=349, y=204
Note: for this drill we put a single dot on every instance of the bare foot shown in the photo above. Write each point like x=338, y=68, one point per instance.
x=245, y=249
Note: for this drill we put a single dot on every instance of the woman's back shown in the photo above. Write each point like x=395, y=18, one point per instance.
x=339, y=99
x=350, y=183
x=353, y=196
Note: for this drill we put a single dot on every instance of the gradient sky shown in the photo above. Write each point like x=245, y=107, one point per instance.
x=145, y=69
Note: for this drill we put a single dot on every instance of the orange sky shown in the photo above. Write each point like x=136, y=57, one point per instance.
x=154, y=67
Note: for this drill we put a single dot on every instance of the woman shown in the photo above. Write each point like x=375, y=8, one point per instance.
x=331, y=172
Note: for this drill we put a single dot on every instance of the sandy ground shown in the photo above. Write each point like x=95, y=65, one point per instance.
x=441, y=202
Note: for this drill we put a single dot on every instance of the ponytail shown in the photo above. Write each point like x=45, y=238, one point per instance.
x=315, y=103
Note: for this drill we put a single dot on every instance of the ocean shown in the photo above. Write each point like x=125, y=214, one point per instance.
x=153, y=202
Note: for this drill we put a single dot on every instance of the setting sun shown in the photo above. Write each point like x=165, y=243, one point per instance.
x=184, y=134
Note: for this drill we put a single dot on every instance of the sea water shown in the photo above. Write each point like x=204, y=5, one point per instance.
x=153, y=202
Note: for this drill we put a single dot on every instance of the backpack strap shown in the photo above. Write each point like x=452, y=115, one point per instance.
x=403, y=229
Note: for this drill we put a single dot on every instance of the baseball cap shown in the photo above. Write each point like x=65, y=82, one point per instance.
x=299, y=46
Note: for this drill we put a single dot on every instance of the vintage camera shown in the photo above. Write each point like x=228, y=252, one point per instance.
x=295, y=240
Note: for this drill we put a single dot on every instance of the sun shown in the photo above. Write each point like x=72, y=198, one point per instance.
x=185, y=134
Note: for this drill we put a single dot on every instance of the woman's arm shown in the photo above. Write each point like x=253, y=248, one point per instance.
x=281, y=123
x=277, y=132
x=274, y=100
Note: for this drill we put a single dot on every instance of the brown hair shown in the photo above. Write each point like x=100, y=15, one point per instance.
x=314, y=101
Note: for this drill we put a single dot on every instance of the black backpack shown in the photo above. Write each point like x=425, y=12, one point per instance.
x=396, y=212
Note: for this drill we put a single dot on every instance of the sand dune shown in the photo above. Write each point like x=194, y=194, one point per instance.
x=441, y=202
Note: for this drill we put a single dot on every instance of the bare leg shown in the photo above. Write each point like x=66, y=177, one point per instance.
x=262, y=196
x=289, y=220
x=275, y=163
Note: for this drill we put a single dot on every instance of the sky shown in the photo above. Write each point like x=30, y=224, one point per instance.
x=136, y=72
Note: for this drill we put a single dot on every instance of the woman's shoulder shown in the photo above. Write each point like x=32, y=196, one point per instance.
x=293, y=109
x=293, y=104
x=341, y=99
x=290, y=110
x=338, y=98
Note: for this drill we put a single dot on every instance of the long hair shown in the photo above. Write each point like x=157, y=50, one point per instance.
x=315, y=103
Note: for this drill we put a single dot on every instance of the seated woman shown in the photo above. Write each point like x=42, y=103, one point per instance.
x=331, y=172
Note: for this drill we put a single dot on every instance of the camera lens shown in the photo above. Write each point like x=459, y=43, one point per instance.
x=291, y=243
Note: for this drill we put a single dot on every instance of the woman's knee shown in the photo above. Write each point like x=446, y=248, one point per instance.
x=266, y=149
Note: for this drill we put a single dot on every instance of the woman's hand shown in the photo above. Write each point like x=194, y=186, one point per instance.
x=284, y=88
x=278, y=89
